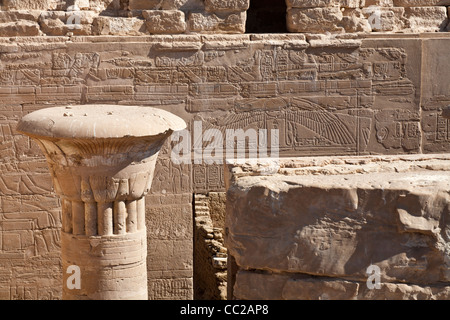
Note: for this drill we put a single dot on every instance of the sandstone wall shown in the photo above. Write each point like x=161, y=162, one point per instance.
x=317, y=16
x=334, y=96
x=114, y=17
x=141, y=17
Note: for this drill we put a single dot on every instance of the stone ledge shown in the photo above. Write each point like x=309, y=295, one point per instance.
x=328, y=40
x=259, y=286
x=336, y=216
x=338, y=165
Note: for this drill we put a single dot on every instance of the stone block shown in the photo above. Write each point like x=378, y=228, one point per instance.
x=415, y=3
x=102, y=5
x=165, y=21
x=30, y=4
x=322, y=3
x=82, y=4
x=143, y=4
x=118, y=26
x=378, y=3
x=353, y=20
x=227, y=6
x=185, y=5
x=11, y=16
x=258, y=286
x=59, y=23
x=76, y=5
x=426, y=19
x=171, y=289
x=335, y=218
x=314, y=20
x=176, y=228
x=211, y=23
x=11, y=241
x=19, y=28
x=385, y=19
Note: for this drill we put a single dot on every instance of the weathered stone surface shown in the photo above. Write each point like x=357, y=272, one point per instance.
x=435, y=98
x=322, y=3
x=415, y=3
x=385, y=19
x=144, y=4
x=314, y=20
x=353, y=20
x=53, y=27
x=378, y=3
x=118, y=26
x=448, y=15
x=20, y=28
x=59, y=23
x=211, y=16
x=427, y=19
x=260, y=286
x=82, y=4
x=11, y=16
x=317, y=16
x=186, y=5
x=165, y=21
x=30, y=4
x=104, y=5
x=336, y=217
x=169, y=241
x=211, y=23
x=227, y=6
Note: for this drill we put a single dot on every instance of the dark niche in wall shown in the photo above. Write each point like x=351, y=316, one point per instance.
x=266, y=16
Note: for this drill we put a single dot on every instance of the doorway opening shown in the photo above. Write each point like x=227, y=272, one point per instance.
x=266, y=16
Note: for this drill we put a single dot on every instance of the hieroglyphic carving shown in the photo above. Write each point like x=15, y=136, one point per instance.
x=436, y=129
x=171, y=178
x=342, y=88
x=20, y=76
x=324, y=101
x=398, y=129
x=163, y=289
x=206, y=178
x=303, y=124
x=337, y=113
x=180, y=59
x=69, y=70
x=154, y=75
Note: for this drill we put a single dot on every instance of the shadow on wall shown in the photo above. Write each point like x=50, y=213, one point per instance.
x=266, y=16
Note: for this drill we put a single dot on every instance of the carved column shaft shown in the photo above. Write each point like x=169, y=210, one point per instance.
x=102, y=233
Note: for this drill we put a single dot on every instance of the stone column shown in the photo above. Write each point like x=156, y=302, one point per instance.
x=102, y=159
